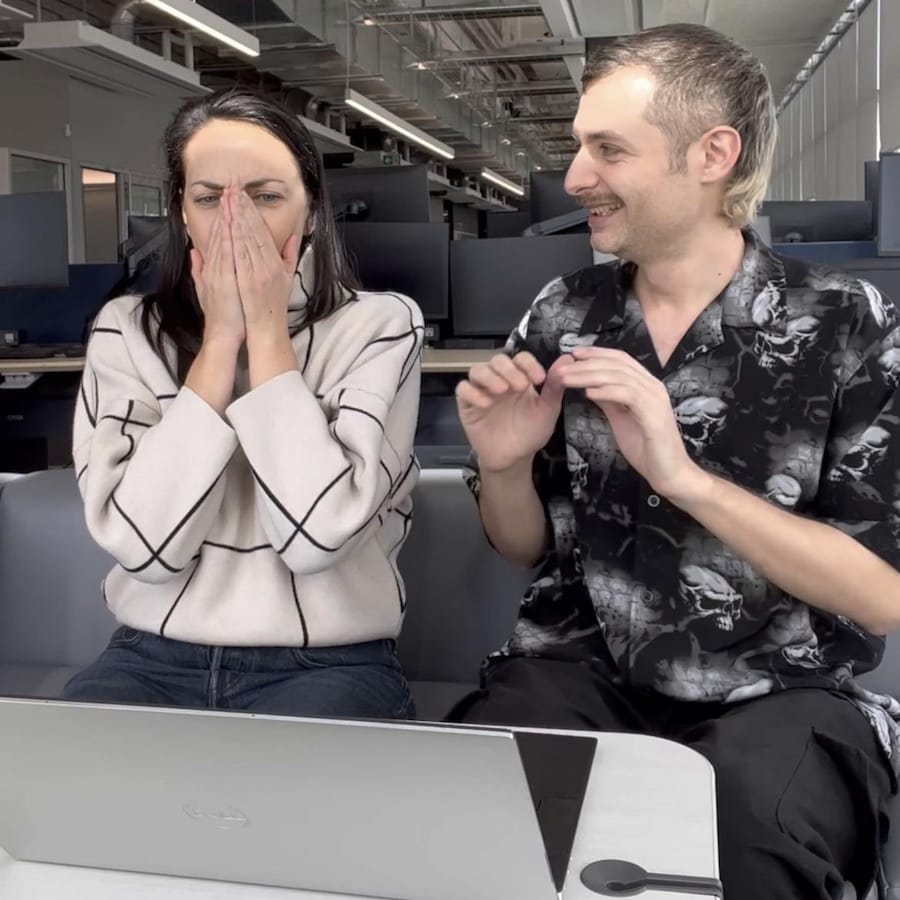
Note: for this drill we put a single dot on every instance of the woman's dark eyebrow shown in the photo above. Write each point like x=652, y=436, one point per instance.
x=257, y=182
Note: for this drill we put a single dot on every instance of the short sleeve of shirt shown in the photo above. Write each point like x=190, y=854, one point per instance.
x=860, y=488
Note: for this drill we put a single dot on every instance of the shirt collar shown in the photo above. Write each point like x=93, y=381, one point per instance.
x=755, y=297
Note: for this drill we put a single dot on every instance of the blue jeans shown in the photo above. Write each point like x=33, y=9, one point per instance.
x=354, y=681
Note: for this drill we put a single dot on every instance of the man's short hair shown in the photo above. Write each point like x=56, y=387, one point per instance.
x=703, y=79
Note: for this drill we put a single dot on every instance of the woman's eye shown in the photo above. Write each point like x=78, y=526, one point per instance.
x=268, y=198
x=207, y=200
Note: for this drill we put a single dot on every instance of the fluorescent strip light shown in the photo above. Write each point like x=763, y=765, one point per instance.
x=208, y=22
x=502, y=182
x=13, y=9
x=362, y=104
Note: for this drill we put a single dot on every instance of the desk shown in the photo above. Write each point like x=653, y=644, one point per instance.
x=453, y=360
x=440, y=361
x=36, y=366
x=649, y=801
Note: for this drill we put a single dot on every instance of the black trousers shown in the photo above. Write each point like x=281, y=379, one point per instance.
x=801, y=782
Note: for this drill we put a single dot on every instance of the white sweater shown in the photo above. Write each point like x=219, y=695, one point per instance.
x=278, y=524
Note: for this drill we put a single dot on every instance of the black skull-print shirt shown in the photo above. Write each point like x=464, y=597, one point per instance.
x=786, y=385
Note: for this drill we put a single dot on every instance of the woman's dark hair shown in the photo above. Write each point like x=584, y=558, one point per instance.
x=172, y=311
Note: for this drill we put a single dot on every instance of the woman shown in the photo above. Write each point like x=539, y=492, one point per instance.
x=244, y=442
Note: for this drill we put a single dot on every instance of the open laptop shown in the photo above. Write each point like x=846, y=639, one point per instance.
x=397, y=810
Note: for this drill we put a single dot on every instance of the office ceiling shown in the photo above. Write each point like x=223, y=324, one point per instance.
x=494, y=78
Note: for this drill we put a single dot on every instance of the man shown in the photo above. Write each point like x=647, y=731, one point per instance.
x=701, y=446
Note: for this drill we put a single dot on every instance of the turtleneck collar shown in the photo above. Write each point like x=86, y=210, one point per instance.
x=303, y=288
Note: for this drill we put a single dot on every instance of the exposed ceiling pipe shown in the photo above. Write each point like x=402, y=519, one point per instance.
x=444, y=82
x=362, y=52
x=313, y=106
x=124, y=18
x=484, y=32
x=536, y=88
x=551, y=118
x=491, y=39
x=450, y=13
x=543, y=52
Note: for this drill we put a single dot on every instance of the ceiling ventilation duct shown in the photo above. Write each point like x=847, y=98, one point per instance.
x=191, y=15
x=103, y=59
x=114, y=61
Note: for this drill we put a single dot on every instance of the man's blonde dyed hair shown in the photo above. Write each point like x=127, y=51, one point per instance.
x=703, y=79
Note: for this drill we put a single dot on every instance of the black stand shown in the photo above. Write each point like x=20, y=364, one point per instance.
x=619, y=878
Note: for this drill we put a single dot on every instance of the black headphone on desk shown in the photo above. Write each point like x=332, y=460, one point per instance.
x=619, y=878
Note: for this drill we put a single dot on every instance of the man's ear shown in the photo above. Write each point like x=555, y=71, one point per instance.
x=721, y=148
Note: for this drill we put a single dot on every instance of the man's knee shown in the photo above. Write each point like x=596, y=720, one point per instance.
x=517, y=691
x=793, y=829
x=538, y=693
x=747, y=809
x=756, y=858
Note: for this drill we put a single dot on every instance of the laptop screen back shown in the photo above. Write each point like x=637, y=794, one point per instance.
x=377, y=809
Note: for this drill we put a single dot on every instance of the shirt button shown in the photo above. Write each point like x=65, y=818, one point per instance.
x=653, y=501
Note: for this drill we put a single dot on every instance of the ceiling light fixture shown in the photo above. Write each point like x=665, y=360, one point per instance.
x=368, y=107
x=203, y=19
x=98, y=57
x=501, y=182
x=13, y=9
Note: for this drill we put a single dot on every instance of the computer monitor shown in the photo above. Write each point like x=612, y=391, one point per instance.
x=494, y=281
x=819, y=220
x=143, y=228
x=553, y=211
x=828, y=253
x=871, y=186
x=549, y=198
x=506, y=224
x=59, y=315
x=884, y=273
x=388, y=194
x=34, y=240
x=409, y=258
x=146, y=235
x=889, y=205
x=870, y=177
x=763, y=227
